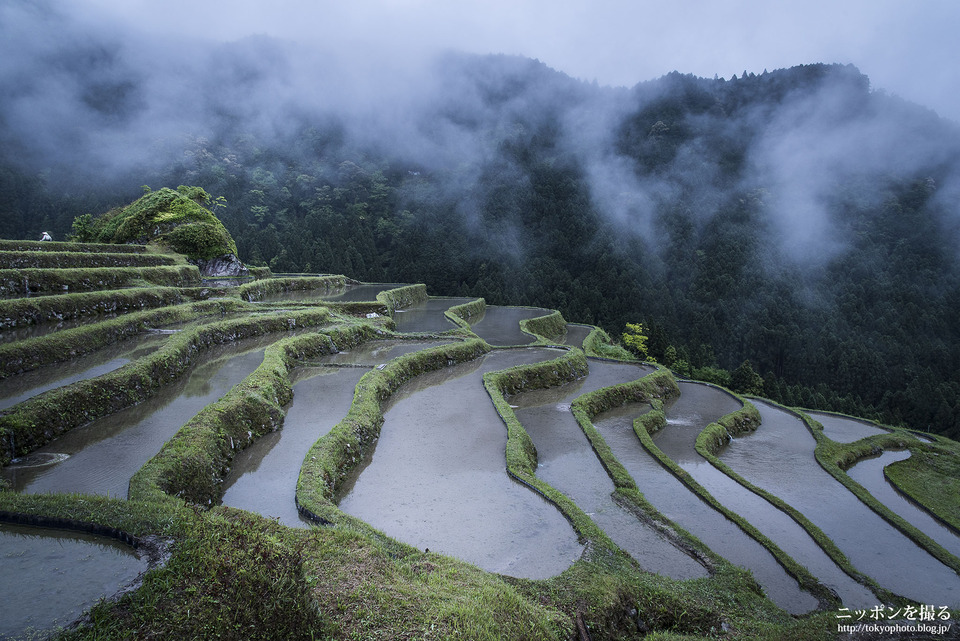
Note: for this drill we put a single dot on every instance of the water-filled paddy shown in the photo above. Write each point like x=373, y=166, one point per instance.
x=48, y=578
x=501, y=325
x=437, y=477
x=869, y=473
x=428, y=315
x=779, y=457
x=697, y=406
x=576, y=334
x=16, y=389
x=106, y=453
x=843, y=429
x=568, y=463
x=263, y=477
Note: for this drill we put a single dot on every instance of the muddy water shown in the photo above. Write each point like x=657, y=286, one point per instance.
x=697, y=406
x=16, y=389
x=576, y=334
x=779, y=458
x=843, y=429
x=365, y=292
x=437, y=477
x=263, y=478
x=568, y=463
x=106, y=453
x=48, y=578
x=428, y=316
x=869, y=473
x=501, y=325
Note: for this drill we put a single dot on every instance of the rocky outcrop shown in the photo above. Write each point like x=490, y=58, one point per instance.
x=222, y=266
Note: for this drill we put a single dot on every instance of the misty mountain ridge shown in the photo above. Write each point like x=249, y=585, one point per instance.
x=795, y=218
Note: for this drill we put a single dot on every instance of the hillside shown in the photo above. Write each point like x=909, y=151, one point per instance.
x=261, y=362
x=800, y=211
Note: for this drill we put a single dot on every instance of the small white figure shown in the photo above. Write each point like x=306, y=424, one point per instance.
x=46, y=236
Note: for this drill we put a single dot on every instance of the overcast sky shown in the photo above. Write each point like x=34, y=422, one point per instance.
x=906, y=47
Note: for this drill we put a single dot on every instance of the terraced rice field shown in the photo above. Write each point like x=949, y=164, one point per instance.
x=377, y=411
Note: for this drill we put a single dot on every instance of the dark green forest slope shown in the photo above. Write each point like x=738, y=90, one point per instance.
x=795, y=219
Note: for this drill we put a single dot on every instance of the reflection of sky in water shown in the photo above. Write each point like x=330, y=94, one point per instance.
x=49, y=577
x=436, y=478
x=106, y=453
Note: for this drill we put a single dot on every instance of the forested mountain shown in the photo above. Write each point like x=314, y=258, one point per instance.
x=796, y=219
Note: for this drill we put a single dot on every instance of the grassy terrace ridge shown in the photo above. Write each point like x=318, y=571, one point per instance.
x=461, y=314
x=58, y=246
x=836, y=457
x=401, y=297
x=649, y=389
x=192, y=464
x=22, y=282
x=931, y=479
x=36, y=421
x=714, y=437
x=67, y=259
x=20, y=312
x=545, y=328
x=31, y=353
x=257, y=289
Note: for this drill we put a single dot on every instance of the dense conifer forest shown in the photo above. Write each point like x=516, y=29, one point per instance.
x=791, y=233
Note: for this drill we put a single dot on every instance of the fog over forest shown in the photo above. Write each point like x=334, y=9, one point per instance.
x=797, y=218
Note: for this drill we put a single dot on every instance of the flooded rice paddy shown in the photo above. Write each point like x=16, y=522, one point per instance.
x=501, y=325
x=844, y=429
x=568, y=463
x=869, y=473
x=16, y=389
x=575, y=334
x=437, y=477
x=779, y=458
x=428, y=316
x=67, y=573
x=263, y=478
x=103, y=455
x=697, y=406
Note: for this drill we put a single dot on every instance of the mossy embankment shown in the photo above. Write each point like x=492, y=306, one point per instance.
x=401, y=297
x=37, y=421
x=261, y=288
x=61, y=346
x=545, y=328
x=25, y=282
x=59, y=246
x=835, y=458
x=21, y=312
x=70, y=259
x=461, y=314
x=192, y=464
x=652, y=389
